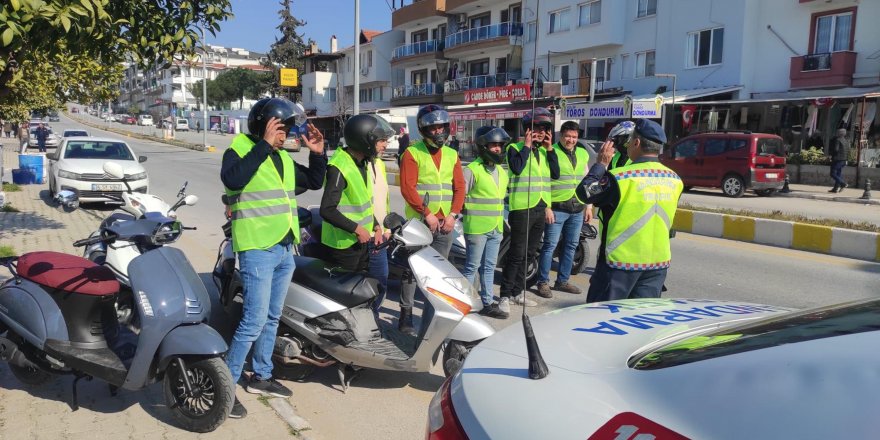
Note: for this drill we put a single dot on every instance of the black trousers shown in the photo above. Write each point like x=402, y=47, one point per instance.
x=522, y=221
x=354, y=258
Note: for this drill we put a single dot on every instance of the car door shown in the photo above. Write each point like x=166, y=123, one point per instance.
x=713, y=161
x=683, y=160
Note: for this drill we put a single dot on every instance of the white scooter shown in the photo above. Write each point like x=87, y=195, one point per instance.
x=117, y=255
x=327, y=316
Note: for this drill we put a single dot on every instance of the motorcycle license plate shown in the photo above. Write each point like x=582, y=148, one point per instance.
x=106, y=187
x=772, y=175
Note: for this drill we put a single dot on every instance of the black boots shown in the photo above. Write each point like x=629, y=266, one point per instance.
x=405, y=325
x=834, y=190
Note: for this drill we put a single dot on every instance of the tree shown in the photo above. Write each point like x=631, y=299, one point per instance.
x=240, y=83
x=218, y=97
x=286, y=51
x=84, y=41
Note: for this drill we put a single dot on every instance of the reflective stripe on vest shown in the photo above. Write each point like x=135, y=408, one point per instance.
x=563, y=189
x=484, y=202
x=436, y=183
x=615, y=159
x=533, y=184
x=638, y=232
x=356, y=202
x=265, y=209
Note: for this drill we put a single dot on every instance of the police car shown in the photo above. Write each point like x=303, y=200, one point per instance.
x=673, y=369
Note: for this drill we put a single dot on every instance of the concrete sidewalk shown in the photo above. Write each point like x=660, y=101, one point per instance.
x=43, y=413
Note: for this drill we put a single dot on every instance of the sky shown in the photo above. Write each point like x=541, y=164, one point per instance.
x=254, y=26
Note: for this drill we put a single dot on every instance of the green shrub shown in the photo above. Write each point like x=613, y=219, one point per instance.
x=11, y=187
x=810, y=156
x=7, y=251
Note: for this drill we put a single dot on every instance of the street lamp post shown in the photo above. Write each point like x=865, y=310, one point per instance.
x=674, y=77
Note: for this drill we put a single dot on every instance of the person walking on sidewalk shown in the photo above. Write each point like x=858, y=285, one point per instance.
x=485, y=186
x=531, y=166
x=261, y=180
x=638, y=204
x=42, y=133
x=430, y=169
x=839, y=152
x=568, y=213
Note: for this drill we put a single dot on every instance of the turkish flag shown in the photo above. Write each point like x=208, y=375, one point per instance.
x=687, y=116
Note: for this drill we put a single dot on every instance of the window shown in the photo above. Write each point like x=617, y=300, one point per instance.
x=589, y=13
x=501, y=65
x=312, y=94
x=531, y=31
x=560, y=73
x=478, y=67
x=369, y=58
x=420, y=77
x=624, y=69
x=646, y=8
x=559, y=20
x=686, y=149
x=348, y=64
x=736, y=144
x=420, y=36
x=645, y=64
x=705, y=47
x=603, y=69
x=330, y=96
x=479, y=21
x=439, y=33
x=714, y=147
x=833, y=33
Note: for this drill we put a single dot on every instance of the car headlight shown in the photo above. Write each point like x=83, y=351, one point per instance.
x=137, y=176
x=68, y=175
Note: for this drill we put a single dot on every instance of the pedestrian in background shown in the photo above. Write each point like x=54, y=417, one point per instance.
x=638, y=203
x=485, y=185
x=7, y=128
x=568, y=213
x=198, y=126
x=839, y=152
x=42, y=133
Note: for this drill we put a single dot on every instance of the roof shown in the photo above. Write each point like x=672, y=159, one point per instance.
x=367, y=35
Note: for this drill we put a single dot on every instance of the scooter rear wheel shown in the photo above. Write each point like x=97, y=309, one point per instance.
x=31, y=375
x=211, y=401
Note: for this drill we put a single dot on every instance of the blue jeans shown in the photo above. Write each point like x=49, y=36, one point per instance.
x=482, y=253
x=265, y=276
x=379, y=270
x=569, y=225
x=837, y=172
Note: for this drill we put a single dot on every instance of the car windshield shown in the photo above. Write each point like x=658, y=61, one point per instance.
x=768, y=146
x=71, y=133
x=97, y=150
x=826, y=322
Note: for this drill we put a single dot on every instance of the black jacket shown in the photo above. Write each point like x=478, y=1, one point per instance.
x=839, y=149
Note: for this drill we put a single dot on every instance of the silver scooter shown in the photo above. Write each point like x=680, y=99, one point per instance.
x=327, y=316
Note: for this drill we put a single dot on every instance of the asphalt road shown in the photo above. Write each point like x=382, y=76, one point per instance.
x=394, y=405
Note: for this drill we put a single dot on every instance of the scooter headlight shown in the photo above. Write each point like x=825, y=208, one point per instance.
x=166, y=233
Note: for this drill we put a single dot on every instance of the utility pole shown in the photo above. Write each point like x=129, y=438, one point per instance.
x=356, y=108
x=204, y=90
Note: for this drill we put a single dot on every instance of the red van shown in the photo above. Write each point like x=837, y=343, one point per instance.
x=731, y=160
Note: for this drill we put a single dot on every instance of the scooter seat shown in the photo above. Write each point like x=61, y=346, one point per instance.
x=350, y=289
x=67, y=273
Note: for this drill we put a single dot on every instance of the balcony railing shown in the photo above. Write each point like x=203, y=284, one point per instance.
x=417, y=48
x=479, y=82
x=411, y=90
x=823, y=70
x=816, y=61
x=483, y=33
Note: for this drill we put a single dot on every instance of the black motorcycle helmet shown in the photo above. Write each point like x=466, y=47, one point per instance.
x=489, y=135
x=280, y=108
x=361, y=133
x=430, y=115
x=621, y=134
x=540, y=117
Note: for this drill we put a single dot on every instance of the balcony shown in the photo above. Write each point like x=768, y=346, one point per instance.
x=420, y=48
x=823, y=70
x=491, y=32
x=418, y=10
x=415, y=94
x=479, y=82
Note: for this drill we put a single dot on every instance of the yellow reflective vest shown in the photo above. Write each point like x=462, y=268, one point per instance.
x=264, y=211
x=563, y=189
x=638, y=231
x=484, y=202
x=433, y=182
x=536, y=174
x=356, y=202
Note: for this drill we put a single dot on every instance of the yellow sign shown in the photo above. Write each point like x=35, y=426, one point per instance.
x=289, y=78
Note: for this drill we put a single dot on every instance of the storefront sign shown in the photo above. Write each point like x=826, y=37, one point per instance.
x=648, y=109
x=517, y=92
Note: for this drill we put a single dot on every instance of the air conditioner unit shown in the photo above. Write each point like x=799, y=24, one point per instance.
x=365, y=71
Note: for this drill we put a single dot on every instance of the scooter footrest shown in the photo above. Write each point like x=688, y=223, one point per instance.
x=102, y=363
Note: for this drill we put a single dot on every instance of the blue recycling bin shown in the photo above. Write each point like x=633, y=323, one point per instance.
x=23, y=176
x=33, y=162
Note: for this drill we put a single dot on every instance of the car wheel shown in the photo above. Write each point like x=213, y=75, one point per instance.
x=52, y=191
x=733, y=186
x=765, y=192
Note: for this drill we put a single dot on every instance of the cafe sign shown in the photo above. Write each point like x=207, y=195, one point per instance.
x=516, y=92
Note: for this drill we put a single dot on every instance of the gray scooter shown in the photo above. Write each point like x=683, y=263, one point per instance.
x=57, y=317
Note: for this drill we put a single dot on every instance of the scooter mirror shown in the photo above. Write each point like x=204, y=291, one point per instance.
x=393, y=221
x=114, y=170
x=190, y=200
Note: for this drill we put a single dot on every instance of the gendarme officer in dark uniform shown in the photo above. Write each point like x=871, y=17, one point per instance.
x=637, y=202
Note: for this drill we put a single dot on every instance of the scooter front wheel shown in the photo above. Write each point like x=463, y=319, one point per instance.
x=207, y=405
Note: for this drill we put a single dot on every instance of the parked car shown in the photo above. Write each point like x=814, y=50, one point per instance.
x=74, y=110
x=672, y=369
x=731, y=160
x=53, y=116
x=52, y=140
x=181, y=124
x=78, y=165
x=74, y=133
x=145, y=120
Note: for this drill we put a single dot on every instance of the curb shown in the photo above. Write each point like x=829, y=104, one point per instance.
x=840, y=242
x=802, y=195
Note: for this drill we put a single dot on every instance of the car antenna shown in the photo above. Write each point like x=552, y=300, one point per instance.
x=537, y=367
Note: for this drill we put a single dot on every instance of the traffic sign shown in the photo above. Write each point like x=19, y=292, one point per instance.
x=289, y=78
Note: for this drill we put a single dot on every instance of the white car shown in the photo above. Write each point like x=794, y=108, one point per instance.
x=52, y=140
x=672, y=369
x=78, y=165
x=75, y=133
x=145, y=120
x=181, y=124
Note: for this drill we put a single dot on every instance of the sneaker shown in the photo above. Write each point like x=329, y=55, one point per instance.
x=238, y=410
x=845, y=186
x=519, y=299
x=567, y=288
x=268, y=387
x=494, y=311
x=544, y=290
x=504, y=305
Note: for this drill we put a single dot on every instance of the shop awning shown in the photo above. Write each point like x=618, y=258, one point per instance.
x=802, y=95
x=680, y=95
